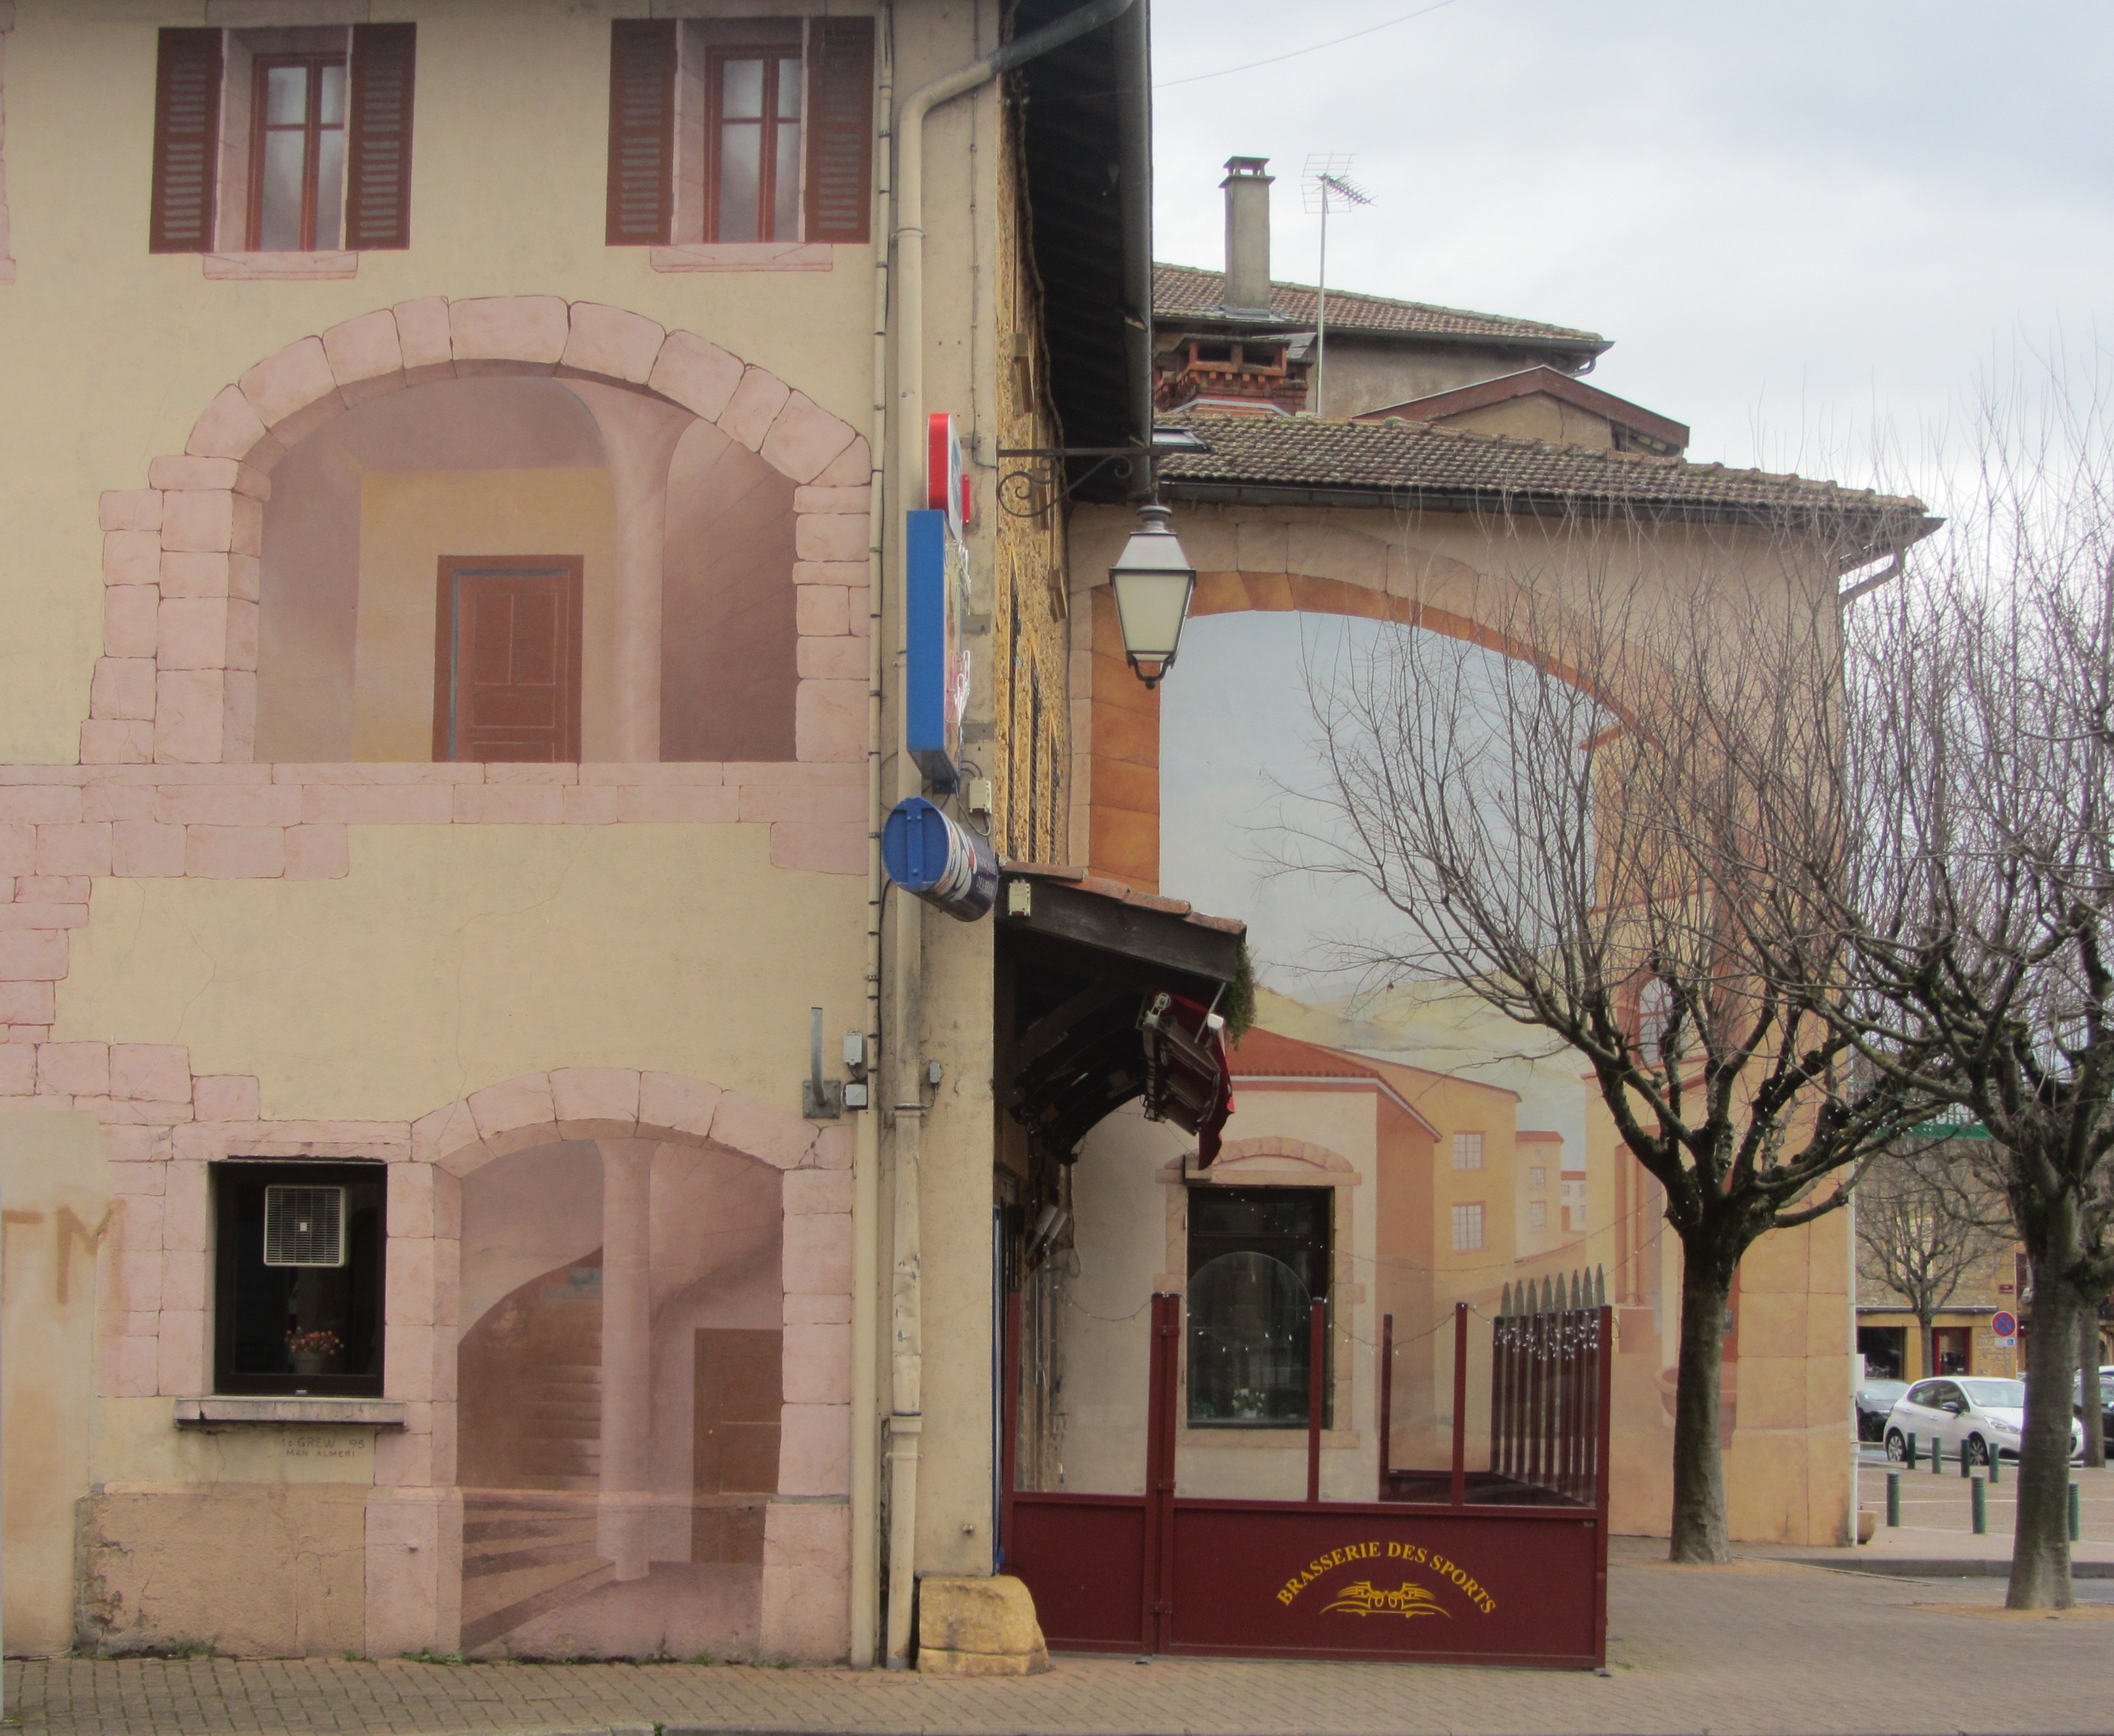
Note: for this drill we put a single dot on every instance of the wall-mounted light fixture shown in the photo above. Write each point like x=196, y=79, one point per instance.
x=1153, y=580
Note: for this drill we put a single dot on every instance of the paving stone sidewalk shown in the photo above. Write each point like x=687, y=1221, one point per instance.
x=1765, y=1646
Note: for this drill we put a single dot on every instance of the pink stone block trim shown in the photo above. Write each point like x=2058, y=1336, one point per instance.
x=378, y=804
x=814, y=1451
x=688, y=772
x=516, y=1115
x=753, y=407
x=43, y=915
x=188, y=574
x=673, y=1107
x=227, y=805
x=819, y=611
x=229, y=428
x=674, y=804
x=505, y=772
x=281, y=267
x=190, y=719
x=391, y=773
x=700, y=375
x=209, y=473
x=410, y=1199
x=74, y=1069
x=81, y=851
x=817, y=1192
x=18, y=1069
x=142, y=850
x=28, y=1003
x=832, y=660
x=804, y=438
x=830, y=720
x=589, y=805
x=509, y=328
x=851, y=468
x=830, y=536
x=235, y=852
x=816, y=1256
x=150, y=1072
x=320, y=852
x=612, y=342
x=132, y=557
x=225, y=1097
x=363, y=349
x=596, y=1102
x=508, y=804
x=122, y=687
x=444, y=1133
x=116, y=742
x=131, y=509
x=422, y=329
x=744, y=256
x=816, y=497
x=748, y=1124
x=849, y=573
x=818, y=1365
x=291, y=380
x=199, y=520
x=129, y=616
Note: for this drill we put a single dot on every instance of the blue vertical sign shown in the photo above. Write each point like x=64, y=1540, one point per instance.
x=936, y=597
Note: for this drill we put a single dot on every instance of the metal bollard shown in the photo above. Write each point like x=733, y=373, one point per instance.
x=1996, y=1459
x=1965, y=1468
x=1937, y=1457
x=1910, y=1459
x=1894, y=1498
x=1979, y=1499
x=2076, y=1514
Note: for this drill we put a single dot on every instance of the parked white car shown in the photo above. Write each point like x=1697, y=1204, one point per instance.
x=1977, y=1413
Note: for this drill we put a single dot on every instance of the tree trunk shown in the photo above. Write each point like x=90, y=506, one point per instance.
x=1926, y=1336
x=2040, y=1546
x=2090, y=1401
x=1699, y=1466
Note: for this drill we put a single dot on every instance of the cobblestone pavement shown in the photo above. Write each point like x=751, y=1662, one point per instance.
x=1765, y=1646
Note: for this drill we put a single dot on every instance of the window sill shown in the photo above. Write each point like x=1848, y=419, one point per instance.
x=368, y=1413
x=744, y=256
x=283, y=268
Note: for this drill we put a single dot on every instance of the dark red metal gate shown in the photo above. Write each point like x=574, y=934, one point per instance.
x=1507, y=1565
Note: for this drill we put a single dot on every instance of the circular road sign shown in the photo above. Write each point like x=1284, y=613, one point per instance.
x=2006, y=1325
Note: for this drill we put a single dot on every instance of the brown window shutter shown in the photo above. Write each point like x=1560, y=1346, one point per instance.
x=840, y=129
x=642, y=132
x=377, y=205
x=187, y=142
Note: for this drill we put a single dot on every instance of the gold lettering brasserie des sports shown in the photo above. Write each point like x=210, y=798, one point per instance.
x=1364, y=1598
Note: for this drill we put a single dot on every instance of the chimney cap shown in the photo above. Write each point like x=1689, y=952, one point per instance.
x=1247, y=168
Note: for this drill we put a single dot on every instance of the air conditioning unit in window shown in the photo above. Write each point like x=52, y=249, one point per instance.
x=304, y=1226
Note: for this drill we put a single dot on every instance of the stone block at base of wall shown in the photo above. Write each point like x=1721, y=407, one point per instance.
x=973, y=1627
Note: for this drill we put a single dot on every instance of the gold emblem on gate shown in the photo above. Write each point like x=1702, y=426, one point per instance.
x=1407, y=1600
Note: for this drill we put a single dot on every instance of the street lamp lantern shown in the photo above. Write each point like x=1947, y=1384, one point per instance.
x=1153, y=580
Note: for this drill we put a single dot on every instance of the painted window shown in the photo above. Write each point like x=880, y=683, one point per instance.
x=740, y=130
x=298, y=1278
x=1537, y=1214
x=1536, y=1176
x=1468, y=1227
x=294, y=140
x=297, y=153
x=1258, y=1261
x=1467, y=1151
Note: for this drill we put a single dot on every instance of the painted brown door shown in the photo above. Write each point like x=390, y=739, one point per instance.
x=507, y=667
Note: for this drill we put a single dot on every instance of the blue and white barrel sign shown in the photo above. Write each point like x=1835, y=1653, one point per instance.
x=948, y=866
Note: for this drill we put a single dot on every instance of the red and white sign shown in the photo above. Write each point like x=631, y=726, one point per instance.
x=2005, y=1324
x=946, y=483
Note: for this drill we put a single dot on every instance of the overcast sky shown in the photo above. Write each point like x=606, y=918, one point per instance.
x=1792, y=217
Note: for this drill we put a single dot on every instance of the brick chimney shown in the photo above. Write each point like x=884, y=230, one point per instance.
x=1247, y=234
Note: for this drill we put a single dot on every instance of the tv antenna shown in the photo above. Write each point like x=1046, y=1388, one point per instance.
x=1328, y=187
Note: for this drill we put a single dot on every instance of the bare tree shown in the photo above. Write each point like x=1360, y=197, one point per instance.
x=1542, y=826
x=1924, y=1224
x=1970, y=953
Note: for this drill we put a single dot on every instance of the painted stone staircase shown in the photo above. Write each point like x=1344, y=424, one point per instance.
x=525, y=1553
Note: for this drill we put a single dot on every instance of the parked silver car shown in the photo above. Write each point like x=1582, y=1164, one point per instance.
x=1977, y=1413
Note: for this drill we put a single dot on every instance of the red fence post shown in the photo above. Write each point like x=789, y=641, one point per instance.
x=1602, y=1392
x=1460, y=1403
x=1317, y=1343
x=1387, y=1401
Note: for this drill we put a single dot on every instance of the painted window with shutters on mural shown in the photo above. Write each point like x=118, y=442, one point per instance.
x=734, y=130
x=283, y=141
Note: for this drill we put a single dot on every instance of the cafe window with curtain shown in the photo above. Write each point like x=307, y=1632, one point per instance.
x=1258, y=1258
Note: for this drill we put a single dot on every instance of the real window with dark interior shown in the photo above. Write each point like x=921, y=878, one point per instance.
x=298, y=1278
x=1259, y=1258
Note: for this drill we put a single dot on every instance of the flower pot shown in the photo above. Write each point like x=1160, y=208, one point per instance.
x=311, y=1362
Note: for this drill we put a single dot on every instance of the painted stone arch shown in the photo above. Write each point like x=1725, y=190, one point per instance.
x=1259, y=559
x=177, y=682
x=711, y=1226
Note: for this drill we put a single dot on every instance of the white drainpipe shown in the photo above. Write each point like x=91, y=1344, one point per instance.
x=903, y=1077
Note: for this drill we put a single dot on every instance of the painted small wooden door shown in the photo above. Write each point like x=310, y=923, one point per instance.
x=506, y=682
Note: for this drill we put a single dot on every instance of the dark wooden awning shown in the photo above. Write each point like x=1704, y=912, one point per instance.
x=1083, y=961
